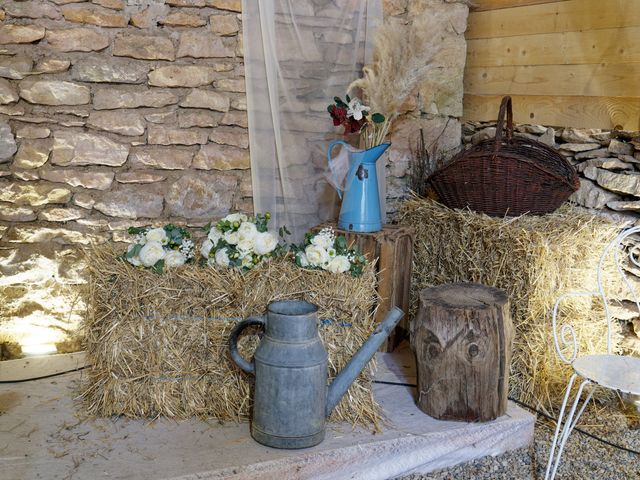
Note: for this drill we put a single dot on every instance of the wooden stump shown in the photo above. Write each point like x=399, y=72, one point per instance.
x=462, y=339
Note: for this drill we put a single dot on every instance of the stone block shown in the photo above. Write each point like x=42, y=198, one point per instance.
x=589, y=195
x=32, y=194
x=223, y=25
x=235, y=136
x=150, y=16
x=20, y=34
x=237, y=118
x=33, y=153
x=164, y=135
x=622, y=148
x=32, y=131
x=137, y=176
x=11, y=213
x=221, y=157
x=181, y=19
x=74, y=148
x=7, y=143
x=578, y=147
x=95, y=69
x=58, y=214
x=182, y=76
x=40, y=234
x=15, y=67
x=113, y=4
x=77, y=40
x=168, y=116
x=129, y=123
x=202, y=45
x=94, y=15
x=99, y=180
x=231, y=85
x=8, y=93
x=52, y=65
x=146, y=47
x=83, y=200
x=201, y=195
x=230, y=5
x=618, y=182
x=163, y=158
x=200, y=98
x=131, y=204
x=198, y=118
x=112, y=98
x=54, y=92
x=32, y=9
x=186, y=3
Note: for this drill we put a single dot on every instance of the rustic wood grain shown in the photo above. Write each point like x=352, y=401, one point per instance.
x=569, y=16
x=482, y=5
x=611, y=46
x=462, y=340
x=568, y=111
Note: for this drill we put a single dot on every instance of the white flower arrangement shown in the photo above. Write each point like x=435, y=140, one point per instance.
x=157, y=248
x=326, y=251
x=239, y=241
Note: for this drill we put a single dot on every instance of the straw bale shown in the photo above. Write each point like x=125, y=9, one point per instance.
x=158, y=343
x=533, y=258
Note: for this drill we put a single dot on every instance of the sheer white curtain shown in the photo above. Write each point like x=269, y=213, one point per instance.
x=299, y=54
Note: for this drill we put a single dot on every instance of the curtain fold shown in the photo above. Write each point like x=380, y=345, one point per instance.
x=299, y=54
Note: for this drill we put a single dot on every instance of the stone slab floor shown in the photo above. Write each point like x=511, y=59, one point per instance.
x=42, y=436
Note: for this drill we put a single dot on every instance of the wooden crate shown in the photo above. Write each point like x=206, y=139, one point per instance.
x=393, y=249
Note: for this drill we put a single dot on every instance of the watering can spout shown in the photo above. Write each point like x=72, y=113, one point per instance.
x=345, y=378
x=377, y=151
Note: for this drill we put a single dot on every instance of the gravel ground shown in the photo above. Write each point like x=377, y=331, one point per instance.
x=583, y=458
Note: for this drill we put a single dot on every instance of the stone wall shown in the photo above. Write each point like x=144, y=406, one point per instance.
x=133, y=112
x=608, y=164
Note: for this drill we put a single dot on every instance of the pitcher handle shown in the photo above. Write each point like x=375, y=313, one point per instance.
x=331, y=145
x=245, y=365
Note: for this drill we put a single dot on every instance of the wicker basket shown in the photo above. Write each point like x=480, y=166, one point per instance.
x=506, y=176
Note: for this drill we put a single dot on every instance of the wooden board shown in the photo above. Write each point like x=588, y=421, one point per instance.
x=567, y=111
x=611, y=46
x=562, y=80
x=392, y=247
x=569, y=16
x=40, y=366
x=482, y=5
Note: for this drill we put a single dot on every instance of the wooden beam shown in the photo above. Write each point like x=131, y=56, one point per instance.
x=564, y=111
x=611, y=45
x=40, y=366
x=482, y=5
x=569, y=16
x=564, y=80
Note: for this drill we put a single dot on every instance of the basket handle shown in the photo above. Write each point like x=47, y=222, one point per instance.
x=505, y=107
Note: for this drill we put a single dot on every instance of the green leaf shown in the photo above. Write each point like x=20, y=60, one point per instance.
x=377, y=118
x=341, y=243
x=348, y=99
x=136, y=230
x=207, y=227
x=158, y=267
x=134, y=251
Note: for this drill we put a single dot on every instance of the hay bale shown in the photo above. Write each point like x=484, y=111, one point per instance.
x=533, y=258
x=158, y=343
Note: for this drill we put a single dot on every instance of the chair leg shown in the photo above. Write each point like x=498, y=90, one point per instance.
x=562, y=432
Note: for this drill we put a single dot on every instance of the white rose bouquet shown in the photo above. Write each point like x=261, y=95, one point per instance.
x=240, y=241
x=157, y=248
x=326, y=251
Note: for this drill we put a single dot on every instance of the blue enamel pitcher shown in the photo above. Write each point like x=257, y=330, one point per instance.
x=360, y=211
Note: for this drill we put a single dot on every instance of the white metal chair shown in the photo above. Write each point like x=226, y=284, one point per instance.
x=615, y=372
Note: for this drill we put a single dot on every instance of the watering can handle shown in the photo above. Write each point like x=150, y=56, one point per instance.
x=248, y=367
x=331, y=145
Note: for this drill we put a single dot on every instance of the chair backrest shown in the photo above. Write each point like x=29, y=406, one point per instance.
x=566, y=336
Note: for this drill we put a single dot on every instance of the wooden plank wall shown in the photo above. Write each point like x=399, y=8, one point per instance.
x=565, y=62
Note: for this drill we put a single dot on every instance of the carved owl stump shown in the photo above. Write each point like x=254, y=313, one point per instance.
x=462, y=339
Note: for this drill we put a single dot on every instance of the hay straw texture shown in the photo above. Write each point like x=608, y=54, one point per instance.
x=158, y=343
x=533, y=258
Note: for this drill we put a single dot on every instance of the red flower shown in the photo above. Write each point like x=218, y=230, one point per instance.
x=338, y=114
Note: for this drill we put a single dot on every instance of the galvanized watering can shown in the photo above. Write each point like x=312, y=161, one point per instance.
x=360, y=211
x=291, y=399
